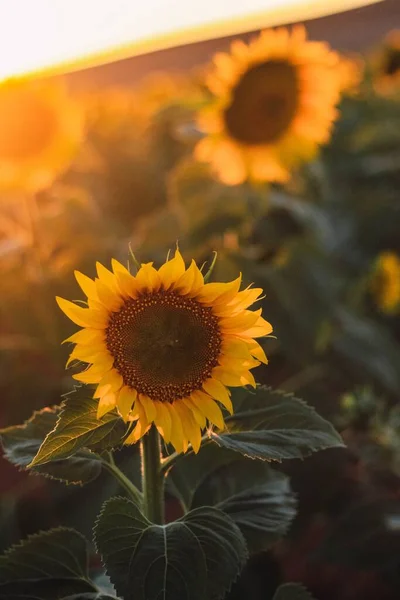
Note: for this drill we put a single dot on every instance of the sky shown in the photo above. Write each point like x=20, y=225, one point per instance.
x=40, y=34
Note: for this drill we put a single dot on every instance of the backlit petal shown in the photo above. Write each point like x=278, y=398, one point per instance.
x=126, y=398
x=219, y=292
x=86, y=284
x=86, y=336
x=198, y=415
x=208, y=407
x=149, y=407
x=218, y=391
x=84, y=317
x=191, y=281
x=106, y=404
x=147, y=278
x=177, y=435
x=163, y=421
x=172, y=270
x=190, y=427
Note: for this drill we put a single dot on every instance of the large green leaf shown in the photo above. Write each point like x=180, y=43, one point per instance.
x=47, y=565
x=194, y=558
x=292, y=591
x=285, y=427
x=190, y=470
x=78, y=427
x=22, y=442
x=257, y=498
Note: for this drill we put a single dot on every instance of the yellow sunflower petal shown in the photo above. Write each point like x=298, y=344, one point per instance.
x=126, y=281
x=190, y=427
x=106, y=403
x=108, y=298
x=149, y=407
x=138, y=432
x=217, y=390
x=246, y=298
x=163, y=421
x=86, y=284
x=177, y=435
x=235, y=348
x=219, y=292
x=87, y=354
x=198, y=415
x=171, y=271
x=233, y=379
x=94, y=373
x=208, y=407
x=147, y=278
x=102, y=390
x=191, y=281
x=240, y=322
x=257, y=351
x=257, y=330
x=86, y=337
x=112, y=378
x=235, y=365
x=126, y=399
x=106, y=277
x=84, y=317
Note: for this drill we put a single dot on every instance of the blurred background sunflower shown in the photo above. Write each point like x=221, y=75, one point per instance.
x=274, y=102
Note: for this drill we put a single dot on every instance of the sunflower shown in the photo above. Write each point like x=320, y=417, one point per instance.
x=40, y=130
x=386, y=64
x=386, y=282
x=164, y=346
x=272, y=104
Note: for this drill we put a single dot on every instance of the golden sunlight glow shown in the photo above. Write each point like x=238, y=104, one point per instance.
x=57, y=36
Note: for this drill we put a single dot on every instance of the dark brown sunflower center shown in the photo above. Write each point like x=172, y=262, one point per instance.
x=264, y=103
x=164, y=345
x=392, y=62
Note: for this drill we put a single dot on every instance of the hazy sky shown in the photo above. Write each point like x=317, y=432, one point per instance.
x=40, y=33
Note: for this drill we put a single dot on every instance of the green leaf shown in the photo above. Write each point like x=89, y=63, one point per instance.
x=257, y=498
x=196, y=557
x=22, y=442
x=292, y=591
x=285, y=427
x=45, y=566
x=78, y=427
x=190, y=470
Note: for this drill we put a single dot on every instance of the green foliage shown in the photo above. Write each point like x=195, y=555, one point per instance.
x=45, y=566
x=277, y=426
x=257, y=498
x=78, y=427
x=196, y=557
x=191, y=470
x=21, y=443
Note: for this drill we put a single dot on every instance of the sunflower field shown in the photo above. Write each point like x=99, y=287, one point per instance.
x=200, y=330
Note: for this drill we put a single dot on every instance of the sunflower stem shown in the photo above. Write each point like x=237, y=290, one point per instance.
x=123, y=480
x=152, y=477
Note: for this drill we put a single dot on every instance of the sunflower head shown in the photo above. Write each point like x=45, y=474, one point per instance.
x=385, y=282
x=163, y=346
x=40, y=130
x=272, y=104
x=387, y=64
